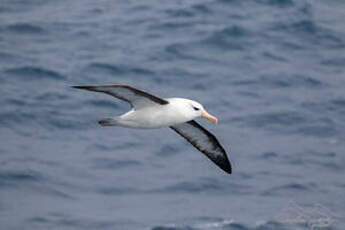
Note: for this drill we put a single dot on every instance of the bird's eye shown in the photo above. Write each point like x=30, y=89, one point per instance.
x=195, y=108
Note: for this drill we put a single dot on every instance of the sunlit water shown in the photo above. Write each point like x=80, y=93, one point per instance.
x=272, y=71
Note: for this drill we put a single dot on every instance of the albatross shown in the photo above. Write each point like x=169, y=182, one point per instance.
x=150, y=112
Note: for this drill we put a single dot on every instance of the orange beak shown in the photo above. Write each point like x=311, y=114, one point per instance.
x=209, y=117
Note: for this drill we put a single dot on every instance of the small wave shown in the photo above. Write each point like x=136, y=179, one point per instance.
x=279, y=3
x=19, y=176
x=269, y=155
x=319, y=130
x=168, y=150
x=35, y=73
x=176, y=13
x=25, y=28
x=113, y=69
x=13, y=178
x=310, y=34
x=202, y=8
x=117, y=190
x=273, y=118
x=8, y=118
x=224, y=224
x=111, y=164
x=281, y=81
x=119, y=69
x=288, y=188
x=71, y=222
x=173, y=228
x=230, y=38
x=205, y=185
x=51, y=96
x=339, y=62
x=103, y=103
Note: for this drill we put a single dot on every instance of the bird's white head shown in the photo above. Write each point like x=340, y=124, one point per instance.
x=198, y=111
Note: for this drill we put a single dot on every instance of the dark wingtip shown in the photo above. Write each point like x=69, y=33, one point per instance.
x=226, y=166
x=80, y=87
x=83, y=87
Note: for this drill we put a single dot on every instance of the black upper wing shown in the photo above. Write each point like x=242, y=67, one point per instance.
x=205, y=142
x=137, y=98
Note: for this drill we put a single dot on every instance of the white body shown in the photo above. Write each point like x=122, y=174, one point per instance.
x=178, y=110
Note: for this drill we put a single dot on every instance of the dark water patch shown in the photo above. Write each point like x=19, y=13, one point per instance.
x=178, y=51
x=334, y=108
x=274, y=57
x=268, y=155
x=51, y=96
x=34, y=73
x=324, y=154
x=103, y=103
x=193, y=187
x=113, y=191
x=177, y=13
x=284, y=81
x=279, y=3
x=103, y=147
x=62, y=123
x=273, y=119
x=25, y=28
x=333, y=165
x=185, y=51
x=273, y=225
x=206, y=186
x=231, y=2
x=171, y=26
x=311, y=34
x=113, y=69
x=236, y=226
x=50, y=191
x=96, y=11
x=111, y=164
x=199, y=8
x=318, y=130
x=13, y=179
x=64, y=221
x=141, y=71
x=119, y=69
x=38, y=220
x=340, y=103
x=16, y=102
x=229, y=38
x=288, y=188
x=339, y=62
x=12, y=118
x=168, y=150
x=304, y=26
x=235, y=31
x=173, y=228
x=4, y=56
x=211, y=224
x=249, y=93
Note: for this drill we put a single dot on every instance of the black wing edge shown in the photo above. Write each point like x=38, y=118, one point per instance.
x=222, y=161
x=134, y=90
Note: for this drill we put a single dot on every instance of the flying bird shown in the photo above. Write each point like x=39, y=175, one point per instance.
x=149, y=112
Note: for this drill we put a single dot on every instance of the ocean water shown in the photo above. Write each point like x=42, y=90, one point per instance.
x=272, y=71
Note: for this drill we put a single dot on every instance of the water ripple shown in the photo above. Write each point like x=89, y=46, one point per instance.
x=25, y=28
x=34, y=73
x=119, y=69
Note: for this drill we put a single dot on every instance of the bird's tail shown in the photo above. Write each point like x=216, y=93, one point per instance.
x=108, y=122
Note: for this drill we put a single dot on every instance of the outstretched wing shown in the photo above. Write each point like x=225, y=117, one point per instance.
x=205, y=142
x=137, y=98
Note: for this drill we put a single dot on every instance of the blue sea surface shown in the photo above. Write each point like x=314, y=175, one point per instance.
x=272, y=71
